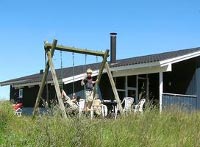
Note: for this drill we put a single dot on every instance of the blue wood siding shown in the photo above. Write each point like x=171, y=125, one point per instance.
x=198, y=82
x=185, y=102
x=191, y=89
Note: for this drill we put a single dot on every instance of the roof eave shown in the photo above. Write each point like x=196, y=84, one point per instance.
x=179, y=59
x=11, y=82
x=142, y=70
x=134, y=66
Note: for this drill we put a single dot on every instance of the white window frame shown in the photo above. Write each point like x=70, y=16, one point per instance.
x=21, y=93
x=122, y=90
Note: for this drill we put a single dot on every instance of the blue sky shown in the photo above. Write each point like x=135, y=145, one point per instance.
x=143, y=27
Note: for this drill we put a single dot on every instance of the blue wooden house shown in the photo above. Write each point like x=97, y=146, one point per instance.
x=165, y=79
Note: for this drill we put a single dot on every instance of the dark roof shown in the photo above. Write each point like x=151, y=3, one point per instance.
x=67, y=72
x=155, y=57
x=61, y=73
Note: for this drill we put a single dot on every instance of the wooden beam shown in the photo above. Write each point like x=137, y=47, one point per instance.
x=75, y=50
x=43, y=81
x=101, y=70
x=106, y=54
x=49, y=48
x=114, y=88
x=56, y=84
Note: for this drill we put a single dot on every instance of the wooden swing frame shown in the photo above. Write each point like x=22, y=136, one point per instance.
x=49, y=50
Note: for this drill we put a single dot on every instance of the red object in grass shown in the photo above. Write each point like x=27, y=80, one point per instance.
x=17, y=106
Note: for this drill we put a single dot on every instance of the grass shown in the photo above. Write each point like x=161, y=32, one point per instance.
x=169, y=129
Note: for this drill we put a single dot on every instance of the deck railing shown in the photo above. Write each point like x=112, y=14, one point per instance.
x=180, y=101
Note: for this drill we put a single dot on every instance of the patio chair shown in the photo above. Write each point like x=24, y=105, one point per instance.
x=139, y=106
x=97, y=107
x=17, y=109
x=116, y=109
x=128, y=104
x=104, y=110
x=81, y=106
x=18, y=112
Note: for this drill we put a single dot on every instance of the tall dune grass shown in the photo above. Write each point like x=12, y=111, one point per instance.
x=172, y=128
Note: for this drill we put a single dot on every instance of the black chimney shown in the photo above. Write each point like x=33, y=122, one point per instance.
x=113, y=37
x=41, y=71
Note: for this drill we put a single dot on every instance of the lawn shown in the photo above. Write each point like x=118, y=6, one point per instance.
x=172, y=128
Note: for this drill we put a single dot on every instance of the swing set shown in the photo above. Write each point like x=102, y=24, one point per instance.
x=49, y=52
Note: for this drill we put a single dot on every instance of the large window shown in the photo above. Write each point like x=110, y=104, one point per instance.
x=126, y=86
x=132, y=93
x=121, y=94
x=131, y=81
x=20, y=93
x=120, y=85
x=120, y=82
x=132, y=86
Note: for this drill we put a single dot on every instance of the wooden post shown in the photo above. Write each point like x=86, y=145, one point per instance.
x=101, y=71
x=56, y=84
x=102, y=65
x=160, y=89
x=50, y=51
x=43, y=81
x=114, y=87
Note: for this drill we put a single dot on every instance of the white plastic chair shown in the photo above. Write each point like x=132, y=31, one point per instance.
x=116, y=108
x=18, y=112
x=81, y=106
x=104, y=110
x=97, y=105
x=128, y=104
x=139, y=106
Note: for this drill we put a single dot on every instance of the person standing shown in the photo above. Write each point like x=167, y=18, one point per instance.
x=88, y=82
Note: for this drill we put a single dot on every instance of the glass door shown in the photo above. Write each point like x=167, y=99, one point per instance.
x=142, y=88
x=131, y=87
x=132, y=93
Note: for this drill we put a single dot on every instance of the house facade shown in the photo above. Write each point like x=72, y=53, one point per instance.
x=164, y=79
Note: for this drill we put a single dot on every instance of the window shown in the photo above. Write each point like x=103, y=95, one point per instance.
x=142, y=76
x=132, y=93
x=131, y=81
x=120, y=83
x=121, y=94
x=20, y=93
